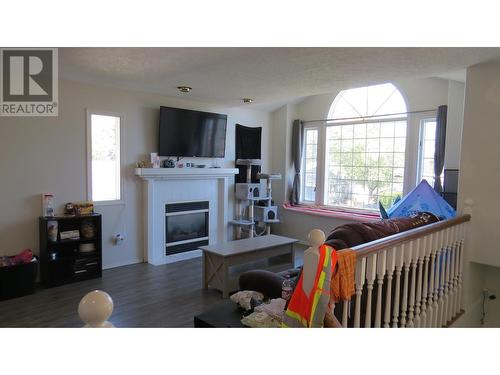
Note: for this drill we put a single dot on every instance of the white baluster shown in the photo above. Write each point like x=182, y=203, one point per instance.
x=418, y=298
x=432, y=268
x=381, y=267
x=345, y=313
x=457, y=268
x=360, y=281
x=446, y=287
x=437, y=267
x=407, y=263
x=452, y=280
x=399, y=252
x=425, y=283
x=391, y=263
x=442, y=258
x=371, y=270
x=411, y=305
x=451, y=292
x=463, y=229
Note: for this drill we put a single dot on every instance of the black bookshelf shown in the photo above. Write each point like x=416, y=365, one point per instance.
x=61, y=261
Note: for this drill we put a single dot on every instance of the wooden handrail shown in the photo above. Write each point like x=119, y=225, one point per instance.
x=399, y=238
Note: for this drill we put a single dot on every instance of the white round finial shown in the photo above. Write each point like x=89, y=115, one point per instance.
x=469, y=202
x=95, y=308
x=467, y=210
x=316, y=237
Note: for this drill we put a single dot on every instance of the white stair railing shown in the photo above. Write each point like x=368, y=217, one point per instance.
x=415, y=277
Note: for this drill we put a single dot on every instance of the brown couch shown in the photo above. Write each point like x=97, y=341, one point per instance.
x=342, y=237
x=354, y=234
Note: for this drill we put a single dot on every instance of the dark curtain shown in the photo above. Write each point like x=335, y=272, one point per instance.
x=440, y=147
x=297, y=146
x=248, y=146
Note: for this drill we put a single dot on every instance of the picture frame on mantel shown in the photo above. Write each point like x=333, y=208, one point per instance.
x=155, y=160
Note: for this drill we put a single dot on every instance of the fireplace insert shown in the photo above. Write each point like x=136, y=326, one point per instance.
x=186, y=226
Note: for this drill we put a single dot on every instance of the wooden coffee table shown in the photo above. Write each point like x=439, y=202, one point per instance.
x=219, y=258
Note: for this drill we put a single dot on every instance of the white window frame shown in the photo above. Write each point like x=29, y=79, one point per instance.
x=89, y=113
x=321, y=162
x=303, y=166
x=421, y=134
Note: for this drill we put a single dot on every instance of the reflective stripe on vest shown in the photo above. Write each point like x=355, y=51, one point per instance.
x=307, y=306
x=321, y=282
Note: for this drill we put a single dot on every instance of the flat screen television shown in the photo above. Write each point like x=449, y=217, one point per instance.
x=192, y=133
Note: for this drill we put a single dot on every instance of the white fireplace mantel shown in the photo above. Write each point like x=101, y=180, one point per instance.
x=184, y=173
x=172, y=185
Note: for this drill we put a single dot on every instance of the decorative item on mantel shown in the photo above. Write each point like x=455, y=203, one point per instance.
x=155, y=160
x=168, y=163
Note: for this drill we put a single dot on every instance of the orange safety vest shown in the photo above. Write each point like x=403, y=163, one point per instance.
x=302, y=307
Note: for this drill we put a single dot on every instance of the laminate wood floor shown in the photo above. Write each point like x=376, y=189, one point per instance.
x=144, y=296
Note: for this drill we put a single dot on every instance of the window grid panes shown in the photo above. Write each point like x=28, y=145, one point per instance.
x=310, y=165
x=362, y=157
x=365, y=164
x=105, y=157
x=427, y=146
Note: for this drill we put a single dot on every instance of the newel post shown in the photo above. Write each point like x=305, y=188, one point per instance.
x=95, y=308
x=468, y=204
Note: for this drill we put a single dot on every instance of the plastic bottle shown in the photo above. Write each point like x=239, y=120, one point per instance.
x=287, y=288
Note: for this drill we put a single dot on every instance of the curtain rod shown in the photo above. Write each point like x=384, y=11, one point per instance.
x=368, y=117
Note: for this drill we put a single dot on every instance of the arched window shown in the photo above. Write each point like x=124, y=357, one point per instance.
x=375, y=100
x=364, y=150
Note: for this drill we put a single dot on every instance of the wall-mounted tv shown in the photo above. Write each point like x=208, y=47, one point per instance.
x=192, y=133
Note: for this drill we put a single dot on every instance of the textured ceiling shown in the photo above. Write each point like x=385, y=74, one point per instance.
x=272, y=76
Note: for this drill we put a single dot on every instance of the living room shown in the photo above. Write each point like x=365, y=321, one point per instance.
x=253, y=144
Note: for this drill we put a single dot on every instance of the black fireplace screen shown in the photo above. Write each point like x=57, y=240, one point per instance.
x=186, y=226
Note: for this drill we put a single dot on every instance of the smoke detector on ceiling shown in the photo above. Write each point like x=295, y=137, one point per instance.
x=247, y=100
x=184, y=89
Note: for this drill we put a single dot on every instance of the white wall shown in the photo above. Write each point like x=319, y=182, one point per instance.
x=48, y=155
x=279, y=156
x=492, y=307
x=456, y=96
x=480, y=160
x=420, y=94
x=480, y=181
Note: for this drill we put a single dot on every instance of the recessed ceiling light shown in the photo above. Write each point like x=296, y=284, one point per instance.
x=247, y=100
x=184, y=89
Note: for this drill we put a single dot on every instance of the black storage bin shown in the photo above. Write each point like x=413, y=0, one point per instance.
x=18, y=280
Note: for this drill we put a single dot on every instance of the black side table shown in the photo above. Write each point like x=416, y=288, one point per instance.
x=225, y=314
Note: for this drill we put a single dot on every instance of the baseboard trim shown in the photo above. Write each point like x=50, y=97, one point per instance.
x=458, y=316
x=470, y=317
x=183, y=256
x=127, y=262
